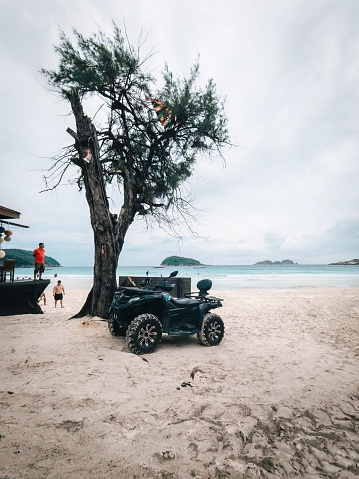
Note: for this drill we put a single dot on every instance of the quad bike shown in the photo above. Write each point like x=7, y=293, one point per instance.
x=143, y=314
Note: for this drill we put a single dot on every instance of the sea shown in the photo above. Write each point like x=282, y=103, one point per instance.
x=223, y=277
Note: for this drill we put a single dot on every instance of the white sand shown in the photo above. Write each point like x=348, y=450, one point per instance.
x=279, y=397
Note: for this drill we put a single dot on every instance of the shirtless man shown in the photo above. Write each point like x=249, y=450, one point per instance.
x=58, y=293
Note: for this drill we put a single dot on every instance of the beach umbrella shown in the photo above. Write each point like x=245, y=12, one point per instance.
x=8, y=232
x=2, y=253
x=2, y=229
x=7, y=238
x=1, y=240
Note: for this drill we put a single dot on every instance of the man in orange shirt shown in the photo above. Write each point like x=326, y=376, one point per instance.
x=39, y=255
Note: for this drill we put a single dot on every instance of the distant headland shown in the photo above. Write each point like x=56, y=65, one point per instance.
x=24, y=259
x=285, y=261
x=180, y=261
x=350, y=262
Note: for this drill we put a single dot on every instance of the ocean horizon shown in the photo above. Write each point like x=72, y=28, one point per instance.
x=223, y=276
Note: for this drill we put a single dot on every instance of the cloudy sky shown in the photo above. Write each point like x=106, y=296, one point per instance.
x=290, y=72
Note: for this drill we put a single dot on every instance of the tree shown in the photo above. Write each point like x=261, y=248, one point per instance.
x=147, y=146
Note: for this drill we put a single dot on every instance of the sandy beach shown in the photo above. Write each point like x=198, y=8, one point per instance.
x=279, y=397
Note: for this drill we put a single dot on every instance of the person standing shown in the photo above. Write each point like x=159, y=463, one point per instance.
x=42, y=297
x=58, y=293
x=39, y=255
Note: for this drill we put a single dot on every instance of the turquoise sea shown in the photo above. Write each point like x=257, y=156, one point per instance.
x=223, y=277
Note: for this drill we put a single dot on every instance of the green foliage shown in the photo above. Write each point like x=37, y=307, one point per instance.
x=96, y=65
x=180, y=261
x=267, y=261
x=350, y=262
x=138, y=149
x=24, y=259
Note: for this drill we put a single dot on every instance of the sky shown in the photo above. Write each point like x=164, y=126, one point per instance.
x=289, y=70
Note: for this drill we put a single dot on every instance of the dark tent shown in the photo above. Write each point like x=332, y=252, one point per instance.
x=20, y=297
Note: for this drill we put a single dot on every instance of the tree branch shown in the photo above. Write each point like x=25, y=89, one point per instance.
x=71, y=132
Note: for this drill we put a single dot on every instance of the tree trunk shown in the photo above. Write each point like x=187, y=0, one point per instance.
x=84, y=311
x=109, y=233
x=106, y=250
x=106, y=259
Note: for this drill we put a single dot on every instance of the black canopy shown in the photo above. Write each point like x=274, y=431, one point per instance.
x=20, y=297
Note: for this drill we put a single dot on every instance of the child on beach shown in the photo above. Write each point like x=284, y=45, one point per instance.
x=42, y=297
x=58, y=293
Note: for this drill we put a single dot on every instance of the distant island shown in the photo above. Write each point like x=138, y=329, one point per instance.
x=180, y=261
x=285, y=261
x=350, y=262
x=24, y=259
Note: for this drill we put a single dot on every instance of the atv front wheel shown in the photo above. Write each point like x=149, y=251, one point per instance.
x=114, y=328
x=212, y=330
x=144, y=334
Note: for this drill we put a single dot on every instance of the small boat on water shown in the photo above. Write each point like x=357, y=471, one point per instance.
x=160, y=266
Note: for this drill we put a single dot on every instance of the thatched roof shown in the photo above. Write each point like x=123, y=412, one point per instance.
x=7, y=213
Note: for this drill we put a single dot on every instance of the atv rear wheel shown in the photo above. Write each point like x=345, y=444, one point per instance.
x=212, y=330
x=114, y=328
x=144, y=334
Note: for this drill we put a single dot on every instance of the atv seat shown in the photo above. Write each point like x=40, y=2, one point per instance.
x=132, y=291
x=184, y=302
